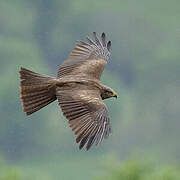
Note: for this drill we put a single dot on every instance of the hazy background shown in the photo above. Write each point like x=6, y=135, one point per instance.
x=144, y=69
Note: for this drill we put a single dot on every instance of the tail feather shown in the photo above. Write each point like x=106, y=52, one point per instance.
x=37, y=91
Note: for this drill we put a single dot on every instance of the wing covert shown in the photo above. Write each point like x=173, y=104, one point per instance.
x=87, y=59
x=87, y=116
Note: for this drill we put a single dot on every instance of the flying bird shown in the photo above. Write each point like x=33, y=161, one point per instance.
x=78, y=90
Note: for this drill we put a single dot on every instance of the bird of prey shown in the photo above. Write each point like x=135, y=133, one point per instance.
x=78, y=90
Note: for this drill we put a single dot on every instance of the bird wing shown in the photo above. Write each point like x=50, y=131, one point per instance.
x=87, y=59
x=87, y=115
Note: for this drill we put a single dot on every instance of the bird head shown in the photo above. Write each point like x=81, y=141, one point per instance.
x=107, y=92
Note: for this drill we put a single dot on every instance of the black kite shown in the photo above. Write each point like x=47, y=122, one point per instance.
x=78, y=89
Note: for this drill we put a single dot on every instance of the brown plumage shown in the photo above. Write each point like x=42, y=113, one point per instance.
x=78, y=89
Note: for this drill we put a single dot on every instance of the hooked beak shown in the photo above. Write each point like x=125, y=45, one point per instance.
x=115, y=95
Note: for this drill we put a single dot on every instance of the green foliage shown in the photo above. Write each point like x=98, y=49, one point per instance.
x=139, y=169
x=8, y=173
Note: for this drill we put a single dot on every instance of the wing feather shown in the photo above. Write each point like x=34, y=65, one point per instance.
x=87, y=59
x=103, y=37
x=87, y=115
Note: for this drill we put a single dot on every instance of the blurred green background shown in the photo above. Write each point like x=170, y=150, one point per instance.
x=144, y=69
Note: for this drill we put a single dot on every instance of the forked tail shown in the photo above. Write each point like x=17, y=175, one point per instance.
x=37, y=90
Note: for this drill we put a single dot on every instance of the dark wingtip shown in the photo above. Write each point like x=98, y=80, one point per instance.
x=109, y=45
x=87, y=148
x=95, y=35
x=80, y=147
x=103, y=37
x=83, y=142
x=103, y=34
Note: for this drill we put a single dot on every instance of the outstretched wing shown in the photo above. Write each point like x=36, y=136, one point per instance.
x=87, y=59
x=87, y=115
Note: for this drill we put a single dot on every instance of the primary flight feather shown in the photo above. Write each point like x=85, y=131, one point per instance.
x=78, y=90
